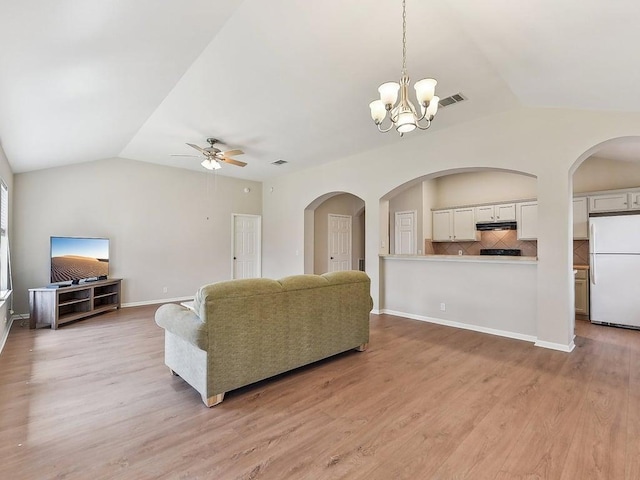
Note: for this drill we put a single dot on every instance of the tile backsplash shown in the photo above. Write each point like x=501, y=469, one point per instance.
x=488, y=239
x=502, y=239
x=581, y=252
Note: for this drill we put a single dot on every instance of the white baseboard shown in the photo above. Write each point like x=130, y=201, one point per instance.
x=6, y=333
x=556, y=346
x=156, y=302
x=465, y=326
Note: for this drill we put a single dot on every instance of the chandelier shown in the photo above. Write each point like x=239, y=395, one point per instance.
x=404, y=116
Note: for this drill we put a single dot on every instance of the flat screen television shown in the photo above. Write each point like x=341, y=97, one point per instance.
x=75, y=258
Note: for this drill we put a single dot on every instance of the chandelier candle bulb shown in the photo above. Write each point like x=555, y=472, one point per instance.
x=432, y=109
x=389, y=93
x=378, y=111
x=425, y=89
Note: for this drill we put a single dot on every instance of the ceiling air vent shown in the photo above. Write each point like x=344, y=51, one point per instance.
x=279, y=162
x=457, y=98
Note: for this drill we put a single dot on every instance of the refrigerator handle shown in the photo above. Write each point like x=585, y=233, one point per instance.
x=592, y=257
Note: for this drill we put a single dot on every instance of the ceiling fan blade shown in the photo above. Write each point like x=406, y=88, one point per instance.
x=200, y=149
x=231, y=153
x=233, y=162
x=183, y=155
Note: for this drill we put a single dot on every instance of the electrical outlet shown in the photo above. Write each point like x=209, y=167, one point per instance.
x=165, y=289
x=443, y=307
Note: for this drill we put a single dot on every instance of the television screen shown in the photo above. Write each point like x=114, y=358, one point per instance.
x=74, y=258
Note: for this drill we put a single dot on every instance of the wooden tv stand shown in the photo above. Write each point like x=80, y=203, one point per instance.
x=55, y=306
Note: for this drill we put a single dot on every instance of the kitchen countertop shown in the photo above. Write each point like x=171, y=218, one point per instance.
x=465, y=258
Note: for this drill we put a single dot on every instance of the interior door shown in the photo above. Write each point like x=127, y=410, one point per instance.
x=339, y=242
x=247, y=246
x=406, y=243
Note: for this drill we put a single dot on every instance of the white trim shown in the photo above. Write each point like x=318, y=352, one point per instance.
x=465, y=326
x=6, y=334
x=556, y=346
x=155, y=302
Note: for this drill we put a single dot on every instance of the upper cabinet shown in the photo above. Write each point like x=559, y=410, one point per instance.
x=609, y=202
x=634, y=200
x=454, y=225
x=527, y=213
x=505, y=212
x=580, y=218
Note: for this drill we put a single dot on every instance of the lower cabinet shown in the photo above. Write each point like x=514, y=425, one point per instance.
x=582, y=292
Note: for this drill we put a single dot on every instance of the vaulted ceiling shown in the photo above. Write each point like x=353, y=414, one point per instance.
x=287, y=79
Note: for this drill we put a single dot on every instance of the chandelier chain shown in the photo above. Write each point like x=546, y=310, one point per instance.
x=404, y=37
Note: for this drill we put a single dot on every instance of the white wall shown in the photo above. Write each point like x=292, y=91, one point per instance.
x=7, y=176
x=545, y=143
x=168, y=227
x=496, y=292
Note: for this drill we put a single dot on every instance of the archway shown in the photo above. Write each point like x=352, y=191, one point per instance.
x=602, y=180
x=316, y=230
x=450, y=189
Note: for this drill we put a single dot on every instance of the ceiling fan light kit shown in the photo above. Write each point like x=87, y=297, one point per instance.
x=404, y=116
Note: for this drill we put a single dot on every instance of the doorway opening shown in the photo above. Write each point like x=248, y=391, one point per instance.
x=334, y=227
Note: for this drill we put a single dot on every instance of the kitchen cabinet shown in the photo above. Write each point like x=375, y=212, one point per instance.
x=527, y=218
x=454, y=225
x=442, y=221
x=504, y=212
x=580, y=218
x=582, y=292
x=609, y=202
x=634, y=201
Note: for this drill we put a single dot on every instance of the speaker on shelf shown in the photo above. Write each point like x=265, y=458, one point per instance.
x=102, y=277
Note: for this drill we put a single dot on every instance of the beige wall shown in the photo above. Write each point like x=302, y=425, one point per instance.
x=471, y=188
x=341, y=204
x=168, y=227
x=597, y=173
x=7, y=176
x=543, y=143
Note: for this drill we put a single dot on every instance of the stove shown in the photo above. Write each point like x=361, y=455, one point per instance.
x=513, y=252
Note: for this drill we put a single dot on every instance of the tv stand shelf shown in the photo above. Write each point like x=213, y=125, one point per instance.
x=55, y=306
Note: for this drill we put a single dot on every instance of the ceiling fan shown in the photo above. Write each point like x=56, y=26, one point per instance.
x=213, y=156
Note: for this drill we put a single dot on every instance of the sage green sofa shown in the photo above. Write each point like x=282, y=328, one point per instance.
x=243, y=331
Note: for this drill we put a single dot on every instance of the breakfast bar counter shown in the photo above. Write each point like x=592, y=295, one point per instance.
x=464, y=258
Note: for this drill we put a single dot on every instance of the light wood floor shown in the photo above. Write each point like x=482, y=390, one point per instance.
x=93, y=400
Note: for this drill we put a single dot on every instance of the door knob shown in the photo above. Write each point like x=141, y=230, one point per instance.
x=234, y=258
x=331, y=258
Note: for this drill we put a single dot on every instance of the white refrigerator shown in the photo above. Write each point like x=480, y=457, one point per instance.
x=614, y=247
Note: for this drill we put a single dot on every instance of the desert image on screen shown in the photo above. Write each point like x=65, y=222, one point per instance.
x=78, y=258
x=71, y=267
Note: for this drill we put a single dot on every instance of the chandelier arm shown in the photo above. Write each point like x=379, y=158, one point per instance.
x=384, y=130
x=423, y=127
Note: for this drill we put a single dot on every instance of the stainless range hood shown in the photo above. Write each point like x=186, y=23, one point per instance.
x=483, y=227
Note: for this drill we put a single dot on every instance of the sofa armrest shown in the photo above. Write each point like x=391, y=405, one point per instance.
x=184, y=323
